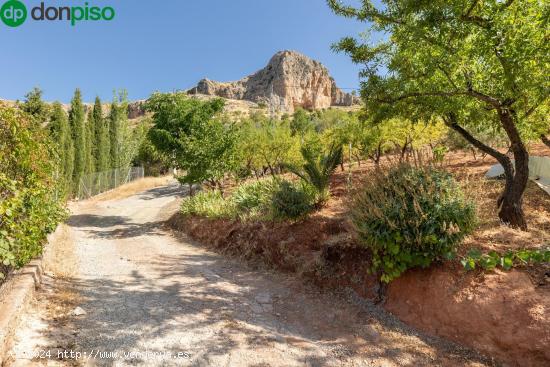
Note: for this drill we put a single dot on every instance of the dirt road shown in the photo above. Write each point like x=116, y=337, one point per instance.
x=138, y=290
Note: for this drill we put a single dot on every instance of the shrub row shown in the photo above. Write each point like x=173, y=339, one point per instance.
x=269, y=199
x=29, y=204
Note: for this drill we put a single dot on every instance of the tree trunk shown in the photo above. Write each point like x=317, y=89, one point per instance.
x=511, y=200
x=511, y=210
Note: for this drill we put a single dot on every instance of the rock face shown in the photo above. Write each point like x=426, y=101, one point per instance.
x=290, y=80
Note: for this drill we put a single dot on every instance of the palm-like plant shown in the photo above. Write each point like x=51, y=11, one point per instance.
x=318, y=168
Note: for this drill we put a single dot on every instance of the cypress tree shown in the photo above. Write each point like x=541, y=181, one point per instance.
x=78, y=134
x=61, y=134
x=101, y=138
x=90, y=142
x=114, y=132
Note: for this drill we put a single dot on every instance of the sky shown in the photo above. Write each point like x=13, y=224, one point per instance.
x=166, y=45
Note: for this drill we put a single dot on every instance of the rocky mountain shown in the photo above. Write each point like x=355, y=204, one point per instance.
x=289, y=80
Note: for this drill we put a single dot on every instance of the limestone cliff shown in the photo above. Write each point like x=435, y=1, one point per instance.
x=290, y=80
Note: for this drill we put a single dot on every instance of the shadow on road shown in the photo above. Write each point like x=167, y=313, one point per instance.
x=208, y=306
x=159, y=295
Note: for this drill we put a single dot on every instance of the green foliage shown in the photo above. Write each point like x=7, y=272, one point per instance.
x=318, y=168
x=439, y=152
x=34, y=106
x=78, y=131
x=253, y=198
x=118, y=120
x=208, y=204
x=257, y=200
x=477, y=65
x=155, y=162
x=266, y=144
x=124, y=140
x=301, y=123
x=291, y=201
x=410, y=217
x=490, y=261
x=29, y=192
x=90, y=143
x=61, y=136
x=190, y=132
x=101, y=143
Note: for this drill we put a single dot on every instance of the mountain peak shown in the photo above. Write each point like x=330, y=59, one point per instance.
x=290, y=80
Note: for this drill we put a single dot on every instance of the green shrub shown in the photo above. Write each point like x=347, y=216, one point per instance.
x=291, y=201
x=209, y=204
x=30, y=196
x=410, y=217
x=266, y=199
x=252, y=199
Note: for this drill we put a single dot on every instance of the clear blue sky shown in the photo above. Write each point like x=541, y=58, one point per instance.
x=166, y=45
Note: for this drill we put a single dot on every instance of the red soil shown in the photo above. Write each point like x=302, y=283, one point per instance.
x=503, y=314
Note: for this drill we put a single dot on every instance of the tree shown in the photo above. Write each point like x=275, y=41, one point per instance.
x=78, y=133
x=266, y=145
x=118, y=121
x=189, y=132
x=300, y=123
x=101, y=148
x=35, y=106
x=61, y=135
x=90, y=143
x=467, y=62
x=114, y=133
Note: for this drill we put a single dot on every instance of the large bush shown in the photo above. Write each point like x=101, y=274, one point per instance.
x=410, y=217
x=29, y=199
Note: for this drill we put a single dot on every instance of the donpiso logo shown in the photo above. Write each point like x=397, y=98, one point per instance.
x=14, y=13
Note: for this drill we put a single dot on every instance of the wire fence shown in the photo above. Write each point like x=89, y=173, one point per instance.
x=96, y=183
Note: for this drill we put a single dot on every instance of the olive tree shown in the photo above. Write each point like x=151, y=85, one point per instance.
x=468, y=62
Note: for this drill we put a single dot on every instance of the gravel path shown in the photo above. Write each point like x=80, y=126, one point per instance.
x=142, y=296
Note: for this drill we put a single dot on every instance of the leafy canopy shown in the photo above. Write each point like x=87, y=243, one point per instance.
x=190, y=132
x=464, y=56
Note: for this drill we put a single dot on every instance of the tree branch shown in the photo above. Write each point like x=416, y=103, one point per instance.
x=451, y=121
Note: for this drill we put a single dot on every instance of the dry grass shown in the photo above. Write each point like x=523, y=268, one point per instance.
x=491, y=234
x=59, y=256
x=133, y=188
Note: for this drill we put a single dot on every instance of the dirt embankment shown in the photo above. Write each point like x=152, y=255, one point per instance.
x=503, y=314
